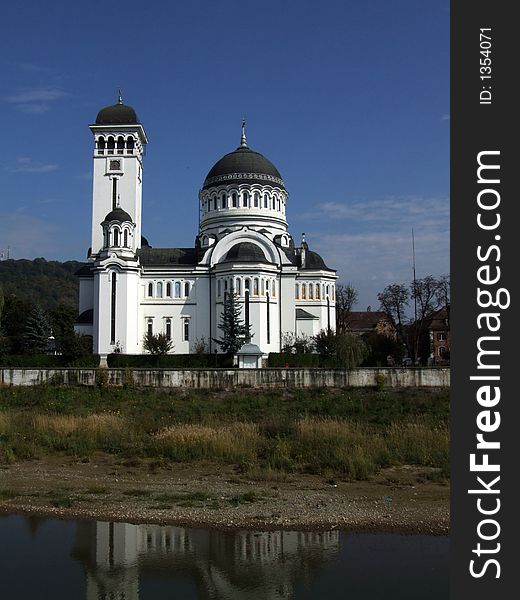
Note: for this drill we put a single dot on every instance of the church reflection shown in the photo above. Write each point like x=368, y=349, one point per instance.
x=119, y=557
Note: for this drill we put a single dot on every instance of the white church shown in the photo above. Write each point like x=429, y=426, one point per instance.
x=243, y=246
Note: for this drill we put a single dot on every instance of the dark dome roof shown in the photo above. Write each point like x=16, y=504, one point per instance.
x=243, y=165
x=245, y=252
x=118, y=214
x=118, y=114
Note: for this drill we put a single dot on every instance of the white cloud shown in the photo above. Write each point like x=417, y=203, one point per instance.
x=370, y=243
x=27, y=165
x=35, y=100
x=383, y=210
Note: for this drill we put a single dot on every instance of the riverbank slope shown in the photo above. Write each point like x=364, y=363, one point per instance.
x=396, y=500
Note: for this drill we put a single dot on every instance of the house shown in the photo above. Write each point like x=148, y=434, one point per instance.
x=438, y=327
x=366, y=322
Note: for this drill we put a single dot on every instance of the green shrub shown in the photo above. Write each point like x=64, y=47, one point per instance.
x=47, y=361
x=169, y=361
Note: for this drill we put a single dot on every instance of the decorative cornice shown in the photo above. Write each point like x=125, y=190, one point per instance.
x=235, y=176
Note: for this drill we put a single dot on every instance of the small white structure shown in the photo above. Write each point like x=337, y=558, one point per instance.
x=129, y=288
x=249, y=357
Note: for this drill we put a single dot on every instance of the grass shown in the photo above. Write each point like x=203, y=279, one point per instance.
x=350, y=432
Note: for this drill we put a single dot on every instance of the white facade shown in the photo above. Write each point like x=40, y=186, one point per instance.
x=128, y=288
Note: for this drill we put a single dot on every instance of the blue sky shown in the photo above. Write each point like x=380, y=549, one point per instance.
x=350, y=100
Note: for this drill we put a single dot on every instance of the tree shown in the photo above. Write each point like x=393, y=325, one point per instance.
x=346, y=297
x=75, y=345
x=14, y=319
x=62, y=319
x=157, y=344
x=425, y=293
x=347, y=350
x=380, y=348
x=234, y=331
x=443, y=294
x=393, y=300
x=37, y=332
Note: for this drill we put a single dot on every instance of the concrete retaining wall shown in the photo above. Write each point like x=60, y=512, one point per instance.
x=224, y=378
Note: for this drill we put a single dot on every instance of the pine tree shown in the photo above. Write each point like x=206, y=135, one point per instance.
x=37, y=332
x=234, y=331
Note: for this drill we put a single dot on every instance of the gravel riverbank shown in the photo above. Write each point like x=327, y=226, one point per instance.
x=397, y=500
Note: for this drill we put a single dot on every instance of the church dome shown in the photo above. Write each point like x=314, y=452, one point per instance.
x=245, y=252
x=118, y=214
x=117, y=114
x=243, y=165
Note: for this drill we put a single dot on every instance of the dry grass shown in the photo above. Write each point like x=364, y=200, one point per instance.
x=233, y=442
x=338, y=446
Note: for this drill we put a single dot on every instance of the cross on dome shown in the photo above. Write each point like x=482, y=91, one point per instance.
x=243, y=140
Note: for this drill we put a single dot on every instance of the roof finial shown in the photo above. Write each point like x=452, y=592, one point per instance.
x=120, y=97
x=243, y=141
x=119, y=201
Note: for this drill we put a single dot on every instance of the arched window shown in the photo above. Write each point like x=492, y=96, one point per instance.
x=311, y=291
x=332, y=291
x=245, y=199
x=177, y=289
x=120, y=144
x=159, y=290
x=317, y=291
x=169, y=290
x=263, y=287
x=116, y=237
x=266, y=201
x=327, y=290
x=255, y=286
x=187, y=287
x=111, y=145
x=150, y=290
x=274, y=288
x=256, y=199
x=219, y=288
x=126, y=238
x=234, y=198
x=215, y=202
x=225, y=286
x=101, y=145
x=168, y=329
x=304, y=291
x=278, y=204
x=239, y=287
x=247, y=285
x=130, y=144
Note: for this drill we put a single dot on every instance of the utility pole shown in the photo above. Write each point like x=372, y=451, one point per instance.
x=414, y=301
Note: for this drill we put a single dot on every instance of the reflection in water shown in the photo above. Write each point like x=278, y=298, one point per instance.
x=66, y=560
x=222, y=564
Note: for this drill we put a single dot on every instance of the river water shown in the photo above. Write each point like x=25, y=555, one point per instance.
x=51, y=559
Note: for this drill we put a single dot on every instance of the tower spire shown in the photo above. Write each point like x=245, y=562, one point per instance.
x=243, y=140
x=119, y=97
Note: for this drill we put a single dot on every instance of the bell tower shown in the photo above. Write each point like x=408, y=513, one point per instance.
x=119, y=144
